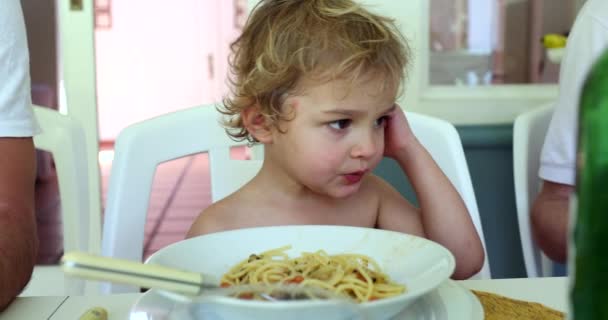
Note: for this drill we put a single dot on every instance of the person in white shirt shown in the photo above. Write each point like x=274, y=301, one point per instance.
x=586, y=41
x=18, y=239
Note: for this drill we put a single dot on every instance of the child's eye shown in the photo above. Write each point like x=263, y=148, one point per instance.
x=340, y=124
x=381, y=122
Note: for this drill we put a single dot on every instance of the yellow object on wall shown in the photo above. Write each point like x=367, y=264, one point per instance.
x=554, y=41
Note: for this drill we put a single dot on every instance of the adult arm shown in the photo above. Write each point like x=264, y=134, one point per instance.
x=18, y=237
x=550, y=219
x=549, y=214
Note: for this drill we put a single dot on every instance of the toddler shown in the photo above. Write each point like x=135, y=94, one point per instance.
x=316, y=82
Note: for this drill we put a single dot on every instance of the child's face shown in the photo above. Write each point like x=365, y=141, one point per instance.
x=336, y=135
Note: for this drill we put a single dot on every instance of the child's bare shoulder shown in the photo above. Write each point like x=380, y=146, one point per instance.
x=381, y=190
x=375, y=185
x=219, y=216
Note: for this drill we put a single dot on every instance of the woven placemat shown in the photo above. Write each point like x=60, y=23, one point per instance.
x=497, y=307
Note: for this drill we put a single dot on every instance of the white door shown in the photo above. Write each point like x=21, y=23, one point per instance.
x=157, y=57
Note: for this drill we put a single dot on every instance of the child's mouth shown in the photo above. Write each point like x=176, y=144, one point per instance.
x=354, y=177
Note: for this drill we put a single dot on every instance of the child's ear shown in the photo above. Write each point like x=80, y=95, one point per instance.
x=257, y=124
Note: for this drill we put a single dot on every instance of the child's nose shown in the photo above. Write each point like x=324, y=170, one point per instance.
x=365, y=147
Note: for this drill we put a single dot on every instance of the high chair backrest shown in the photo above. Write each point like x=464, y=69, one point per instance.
x=139, y=149
x=63, y=137
x=442, y=141
x=529, y=131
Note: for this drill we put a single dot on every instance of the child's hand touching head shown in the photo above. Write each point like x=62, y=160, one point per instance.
x=398, y=135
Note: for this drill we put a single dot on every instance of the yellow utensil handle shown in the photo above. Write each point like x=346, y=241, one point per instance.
x=84, y=265
x=96, y=313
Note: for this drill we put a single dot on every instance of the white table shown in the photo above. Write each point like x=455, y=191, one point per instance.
x=551, y=292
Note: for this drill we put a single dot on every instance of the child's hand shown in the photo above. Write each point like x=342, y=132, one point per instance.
x=398, y=135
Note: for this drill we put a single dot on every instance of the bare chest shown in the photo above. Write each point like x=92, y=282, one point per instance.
x=352, y=212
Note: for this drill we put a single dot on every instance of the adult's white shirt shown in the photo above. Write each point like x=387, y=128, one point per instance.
x=586, y=41
x=16, y=112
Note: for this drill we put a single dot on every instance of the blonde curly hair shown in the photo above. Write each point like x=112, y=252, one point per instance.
x=286, y=40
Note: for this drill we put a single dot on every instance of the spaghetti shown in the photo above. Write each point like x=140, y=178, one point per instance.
x=354, y=275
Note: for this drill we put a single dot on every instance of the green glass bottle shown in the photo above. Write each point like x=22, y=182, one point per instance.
x=589, y=294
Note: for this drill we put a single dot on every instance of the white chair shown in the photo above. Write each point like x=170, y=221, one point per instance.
x=64, y=139
x=442, y=141
x=140, y=148
x=529, y=131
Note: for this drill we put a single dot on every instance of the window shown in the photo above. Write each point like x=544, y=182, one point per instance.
x=484, y=42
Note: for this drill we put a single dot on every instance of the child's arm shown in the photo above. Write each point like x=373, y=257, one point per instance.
x=442, y=213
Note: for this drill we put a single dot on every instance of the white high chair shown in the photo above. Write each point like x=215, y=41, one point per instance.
x=529, y=131
x=64, y=138
x=139, y=149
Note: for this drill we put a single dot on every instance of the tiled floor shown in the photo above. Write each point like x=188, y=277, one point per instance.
x=181, y=189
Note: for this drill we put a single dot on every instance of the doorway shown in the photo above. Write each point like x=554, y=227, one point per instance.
x=153, y=57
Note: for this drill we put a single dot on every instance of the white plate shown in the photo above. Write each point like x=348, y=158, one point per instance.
x=450, y=301
x=420, y=264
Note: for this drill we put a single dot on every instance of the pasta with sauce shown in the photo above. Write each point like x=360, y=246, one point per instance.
x=354, y=275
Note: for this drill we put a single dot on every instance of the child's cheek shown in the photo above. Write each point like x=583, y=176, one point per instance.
x=328, y=159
